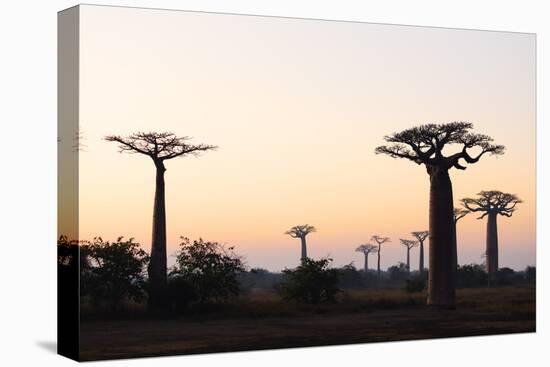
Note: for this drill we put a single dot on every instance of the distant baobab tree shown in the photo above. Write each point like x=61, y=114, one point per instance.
x=159, y=147
x=379, y=241
x=409, y=244
x=458, y=214
x=421, y=237
x=301, y=231
x=491, y=204
x=366, y=249
x=425, y=145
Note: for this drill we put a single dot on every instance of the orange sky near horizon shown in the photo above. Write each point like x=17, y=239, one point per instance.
x=297, y=108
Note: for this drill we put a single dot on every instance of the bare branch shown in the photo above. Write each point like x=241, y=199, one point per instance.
x=420, y=235
x=409, y=244
x=424, y=144
x=380, y=240
x=366, y=248
x=158, y=146
x=493, y=201
x=460, y=213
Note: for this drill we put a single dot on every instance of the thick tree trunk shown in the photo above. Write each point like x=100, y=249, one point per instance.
x=421, y=261
x=441, y=282
x=366, y=267
x=455, y=246
x=492, y=247
x=408, y=260
x=304, y=248
x=157, y=264
x=378, y=266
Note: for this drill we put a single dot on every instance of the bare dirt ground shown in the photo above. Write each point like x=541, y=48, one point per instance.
x=260, y=320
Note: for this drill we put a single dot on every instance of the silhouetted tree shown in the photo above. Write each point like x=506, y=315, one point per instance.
x=458, y=214
x=421, y=237
x=491, y=204
x=398, y=272
x=409, y=244
x=210, y=268
x=425, y=145
x=472, y=275
x=366, y=249
x=159, y=147
x=349, y=277
x=116, y=271
x=67, y=252
x=301, y=231
x=530, y=274
x=379, y=241
x=311, y=282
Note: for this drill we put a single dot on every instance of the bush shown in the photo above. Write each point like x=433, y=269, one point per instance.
x=415, y=284
x=311, y=282
x=530, y=274
x=507, y=276
x=113, y=272
x=472, y=275
x=181, y=293
x=398, y=272
x=350, y=277
x=259, y=278
x=210, y=268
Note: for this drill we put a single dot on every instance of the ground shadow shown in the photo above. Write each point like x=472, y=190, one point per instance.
x=50, y=346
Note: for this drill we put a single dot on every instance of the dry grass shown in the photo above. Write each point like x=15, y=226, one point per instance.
x=261, y=320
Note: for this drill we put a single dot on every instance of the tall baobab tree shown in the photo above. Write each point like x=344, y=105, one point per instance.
x=424, y=145
x=366, y=249
x=379, y=241
x=409, y=244
x=421, y=237
x=458, y=214
x=492, y=204
x=301, y=231
x=160, y=147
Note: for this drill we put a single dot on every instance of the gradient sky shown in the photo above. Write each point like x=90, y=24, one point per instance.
x=297, y=108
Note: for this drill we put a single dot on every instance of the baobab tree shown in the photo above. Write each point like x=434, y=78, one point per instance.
x=366, y=249
x=458, y=214
x=421, y=237
x=425, y=145
x=379, y=242
x=492, y=204
x=301, y=231
x=160, y=147
x=409, y=244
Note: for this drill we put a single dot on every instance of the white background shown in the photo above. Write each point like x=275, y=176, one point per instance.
x=28, y=183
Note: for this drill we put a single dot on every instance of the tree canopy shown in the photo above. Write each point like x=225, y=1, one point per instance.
x=300, y=231
x=409, y=244
x=424, y=144
x=492, y=201
x=420, y=235
x=158, y=146
x=380, y=240
x=366, y=248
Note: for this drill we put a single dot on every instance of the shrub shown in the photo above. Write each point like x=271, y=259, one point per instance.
x=311, y=282
x=398, y=272
x=472, y=275
x=259, y=278
x=210, y=268
x=530, y=274
x=181, y=293
x=113, y=271
x=350, y=277
x=415, y=284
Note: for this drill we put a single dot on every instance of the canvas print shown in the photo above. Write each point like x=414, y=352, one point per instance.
x=236, y=182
